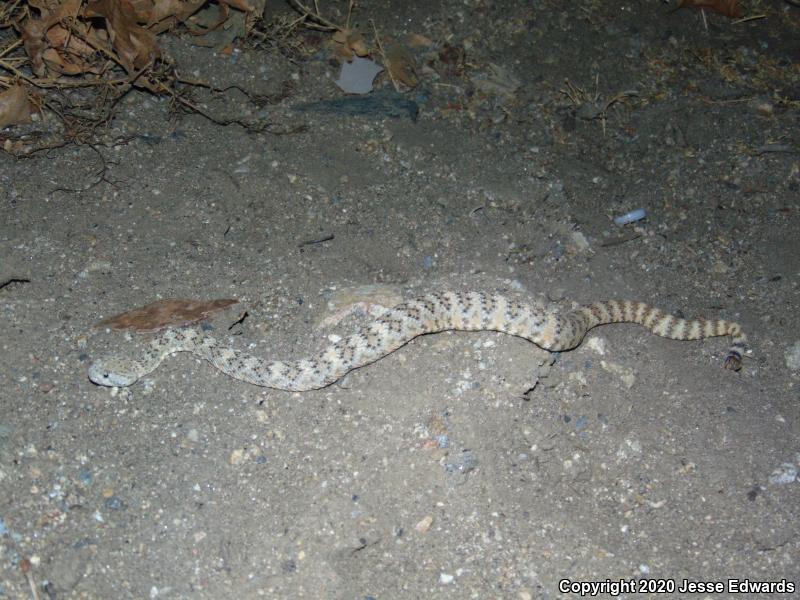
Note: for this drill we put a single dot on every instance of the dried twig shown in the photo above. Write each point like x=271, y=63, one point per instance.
x=383, y=55
x=315, y=20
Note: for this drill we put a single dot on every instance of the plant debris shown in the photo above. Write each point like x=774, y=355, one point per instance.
x=728, y=8
x=401, y=65
x=14, y=106
x=451, y=61
x=348, y=44
x=162, y=314
x=76, y=59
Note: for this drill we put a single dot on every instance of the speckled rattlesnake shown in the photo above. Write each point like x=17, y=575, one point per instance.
x=431, y=313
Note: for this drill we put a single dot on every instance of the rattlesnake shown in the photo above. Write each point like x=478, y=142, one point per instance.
x=431, y=313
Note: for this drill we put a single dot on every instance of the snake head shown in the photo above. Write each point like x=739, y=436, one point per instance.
x=112, y=372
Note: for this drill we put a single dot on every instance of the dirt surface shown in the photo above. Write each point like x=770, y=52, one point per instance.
x=465, y=465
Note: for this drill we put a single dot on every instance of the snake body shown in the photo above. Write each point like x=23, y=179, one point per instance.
x=435, y=312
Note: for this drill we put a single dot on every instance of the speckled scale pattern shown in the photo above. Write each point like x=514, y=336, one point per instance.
x=431, y=313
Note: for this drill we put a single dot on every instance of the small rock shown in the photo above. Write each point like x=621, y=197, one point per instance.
x=425, y=524
x=783, y=475
x=627, y=376
x=762, y=106
x=597, y=344
x=719, y=267
x=496, y=81
x=236, y=457
x=579, y=241
x=793, y=357
x=114, y=503
x=445, y=578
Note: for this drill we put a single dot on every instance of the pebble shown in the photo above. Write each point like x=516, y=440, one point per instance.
x=236, y=457
x=792, y=355
x=461, y=465
x=446, y=578
x=425, y=524
x=783, y=475
x=579, y=241
x=597, y=344
x=114, y=503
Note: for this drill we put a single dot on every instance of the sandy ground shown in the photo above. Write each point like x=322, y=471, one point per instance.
x=465, y=465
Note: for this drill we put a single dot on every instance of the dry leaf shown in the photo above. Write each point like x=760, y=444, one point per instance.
x=348, y=43
x=14, y=106
x=163, y=15
x=728, y=8
x=135, y=46
x=33, y=31
x=68, y=53
x=241, y=5
x=69, y=38
x=416, y=40
x=170, y=312
x=452, y=60
x=356, y=43
x=401, y=65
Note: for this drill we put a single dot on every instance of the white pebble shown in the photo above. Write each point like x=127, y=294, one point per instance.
x=630, y=217
x=793, y=357
x=783, y=475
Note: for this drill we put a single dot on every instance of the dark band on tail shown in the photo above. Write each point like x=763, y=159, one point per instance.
x=665, y=325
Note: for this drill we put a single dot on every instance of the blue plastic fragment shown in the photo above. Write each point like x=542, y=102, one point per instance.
x=631, y=217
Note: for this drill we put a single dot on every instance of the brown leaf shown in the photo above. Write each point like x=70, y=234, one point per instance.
x=164, y=14
x=204, y=29
x=65, y=40
x=45, y=6
x=33, y=31
x=135, y=46
x=68, y=53
x=355, y=41
x=170, y=312
x=728, y=8
x=14, y=106
x=348, y=43
x=451, y=60
x=241, y=5
x=401, y=65
x=417, y=40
